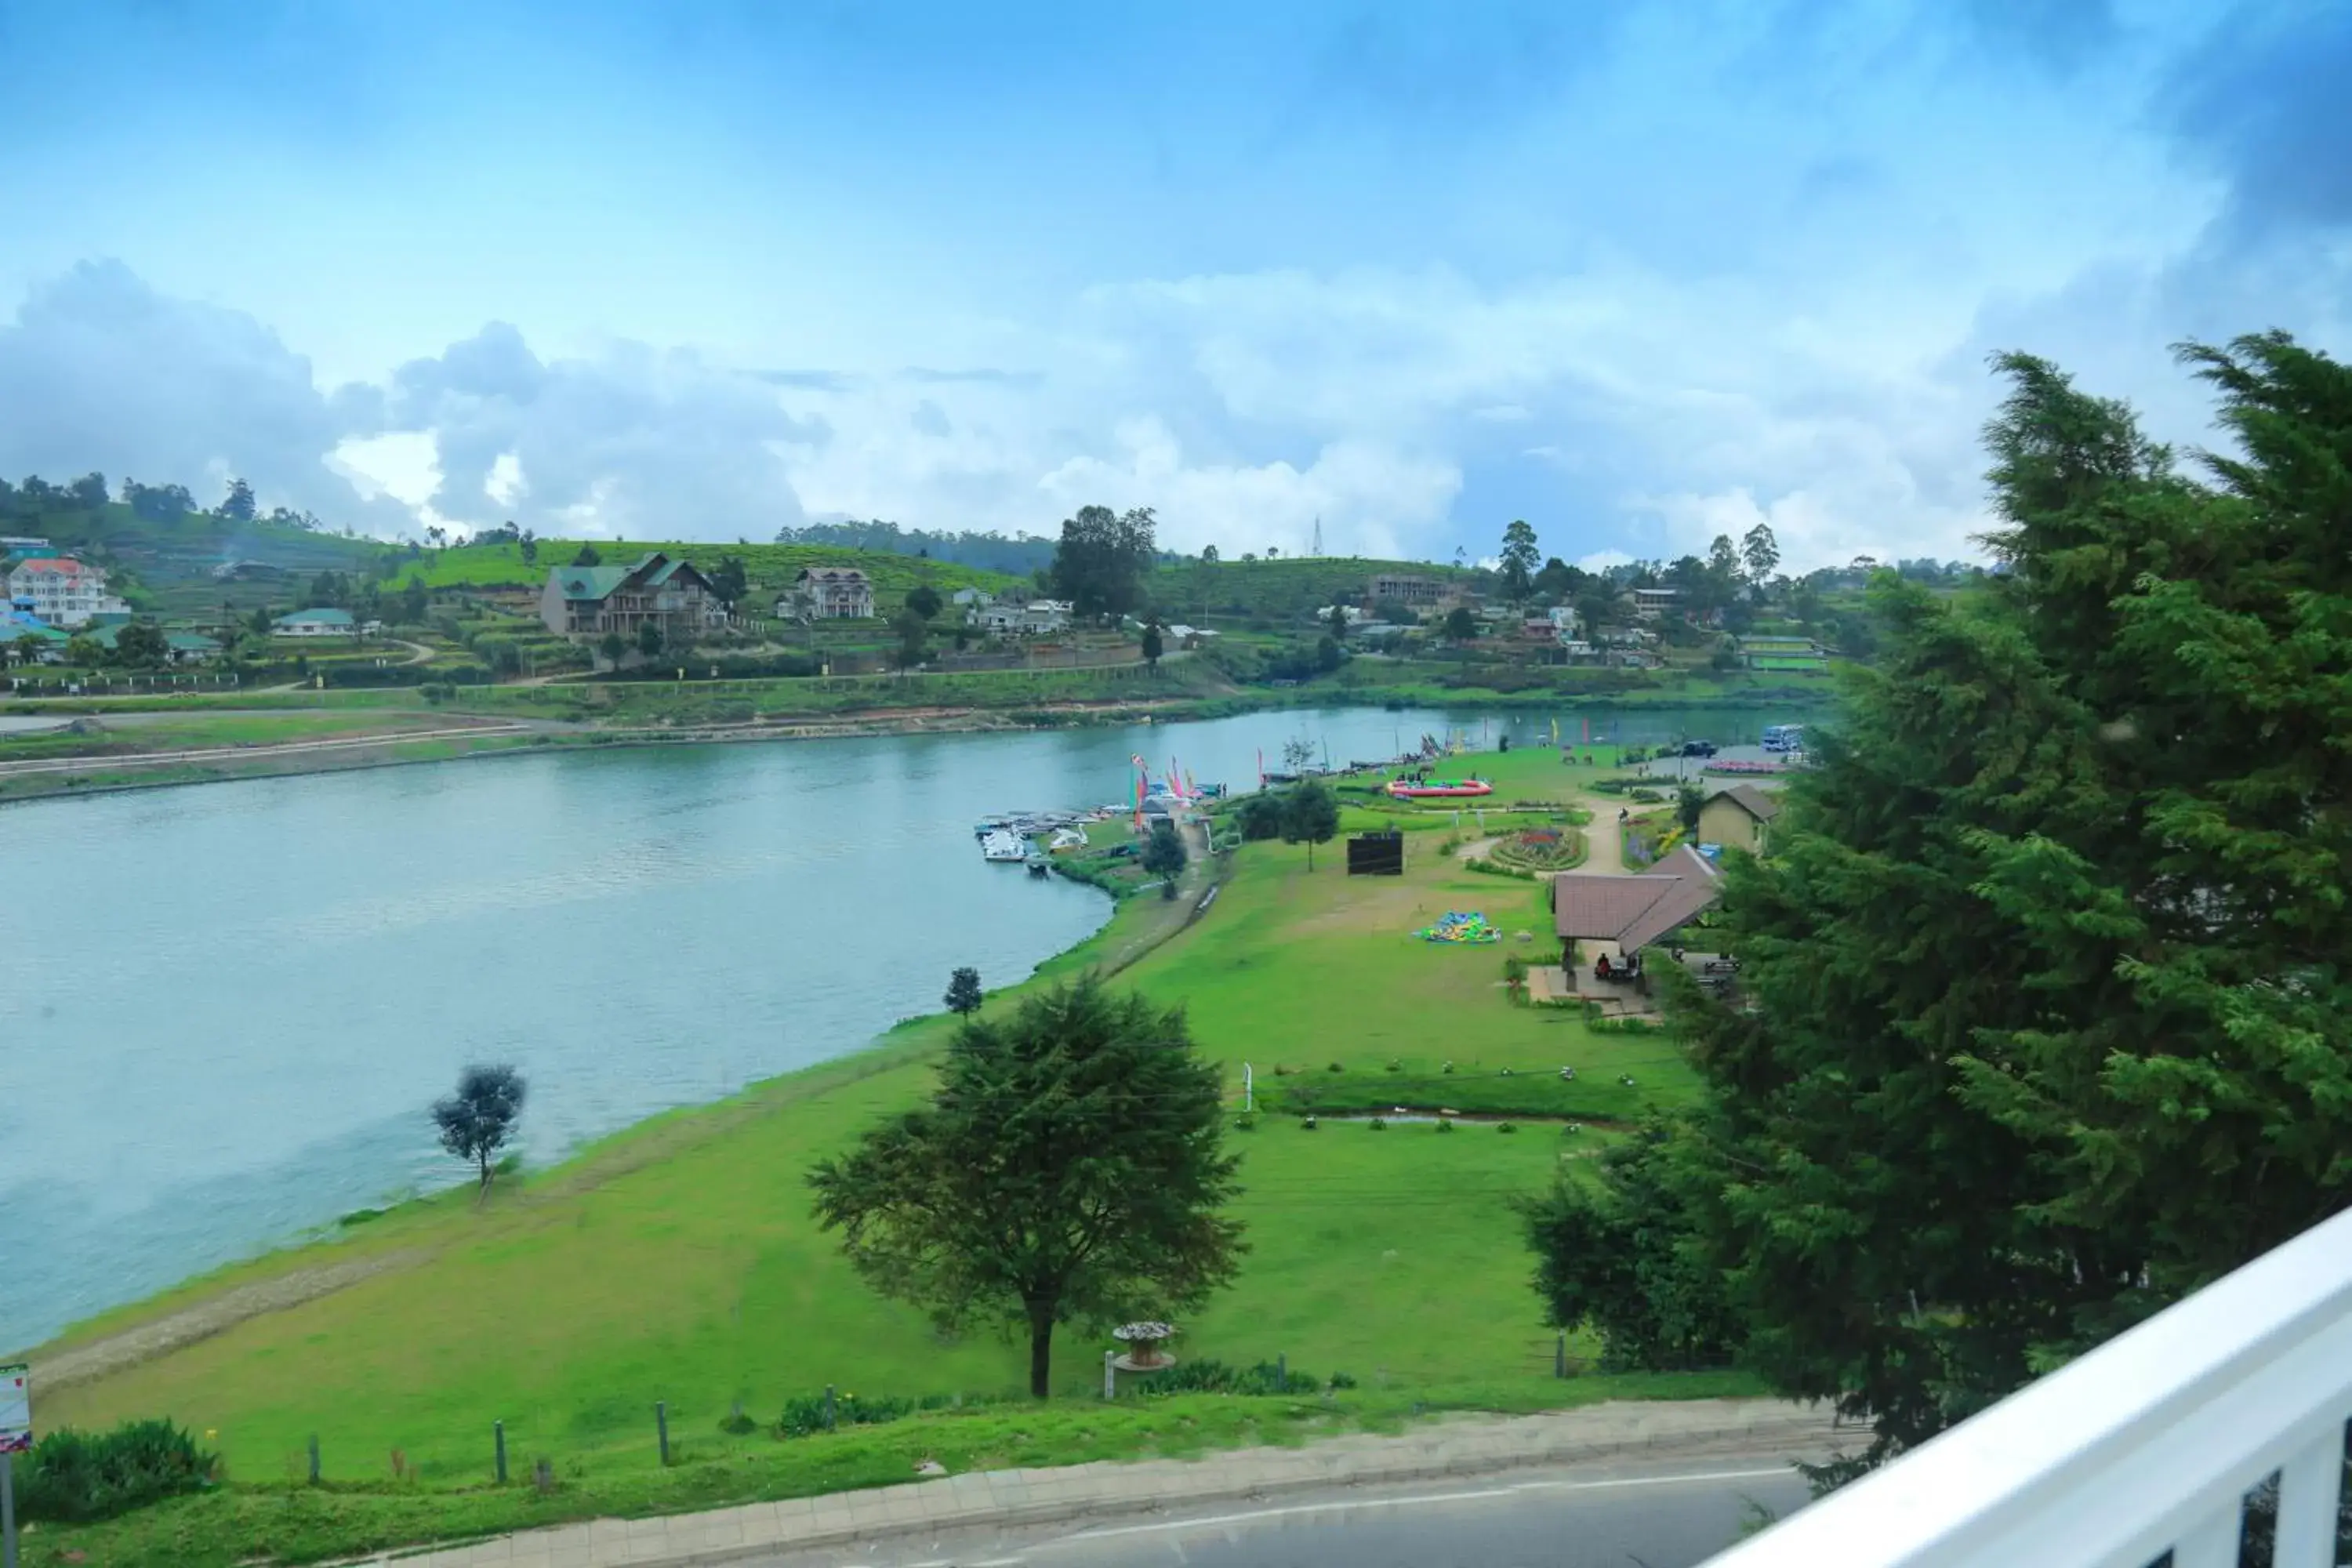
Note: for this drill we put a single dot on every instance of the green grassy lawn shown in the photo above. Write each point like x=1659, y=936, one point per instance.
x=200, y=731
x=678, y=1261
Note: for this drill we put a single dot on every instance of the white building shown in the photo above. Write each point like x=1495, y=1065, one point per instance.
x=1651, y=603
x=971, y=601
x=62, y=591
x=1042, y=615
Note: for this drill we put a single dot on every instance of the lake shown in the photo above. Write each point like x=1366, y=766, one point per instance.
x=224, y=1009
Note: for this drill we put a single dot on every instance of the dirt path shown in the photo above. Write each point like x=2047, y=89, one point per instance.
x=1605, y=844
x=201, y=1321
x=103, y=760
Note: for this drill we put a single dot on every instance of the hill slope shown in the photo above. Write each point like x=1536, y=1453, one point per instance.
x=165, y=564
x=771, y=567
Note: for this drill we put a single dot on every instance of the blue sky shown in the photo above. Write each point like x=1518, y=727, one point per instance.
x=1638, y=273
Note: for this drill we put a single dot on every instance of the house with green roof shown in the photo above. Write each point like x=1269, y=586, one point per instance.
x=180, y=647
x=657, y=589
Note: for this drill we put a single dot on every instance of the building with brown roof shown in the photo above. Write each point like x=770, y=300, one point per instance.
x=1739, y=815
x=1632, y=912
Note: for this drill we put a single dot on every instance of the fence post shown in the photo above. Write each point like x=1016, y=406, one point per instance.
x=1282, y=1373
x=499, y=1437
x=661, y=1426
x=1559, y=1357
x=1110, y=1376
x=314, y=1459
x=828, y=1407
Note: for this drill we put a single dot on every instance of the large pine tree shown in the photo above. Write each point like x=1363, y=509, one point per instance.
x=2048, y=974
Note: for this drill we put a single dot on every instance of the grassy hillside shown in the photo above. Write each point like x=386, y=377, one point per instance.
x=680, y=1262
x=1274, y=589
x=169, y=561
x=771, y=567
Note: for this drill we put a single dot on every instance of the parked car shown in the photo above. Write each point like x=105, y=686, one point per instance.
x=1698, y=748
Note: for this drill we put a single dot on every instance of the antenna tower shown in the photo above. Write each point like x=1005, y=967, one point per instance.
x=1319, y=534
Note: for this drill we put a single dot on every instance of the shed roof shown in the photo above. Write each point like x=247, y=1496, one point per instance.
x=1755, y=802
x=315, y=619
x=1635, y=911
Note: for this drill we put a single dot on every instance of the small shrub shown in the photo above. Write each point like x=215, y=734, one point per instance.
x=1446, y=1124
x=1396, y=1064
x=1447, y=1068
x=74, y=1478
x=806, y=1415
x=1281, y=1071
x=736, y=1424
x=1306, y=1123
x=1336, y=1067
x=1379, y=1124
x=1341, y=1380
x=1246, y=1123
x=1506, y=1127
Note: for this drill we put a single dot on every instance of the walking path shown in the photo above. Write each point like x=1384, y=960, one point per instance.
x=1477, y=1446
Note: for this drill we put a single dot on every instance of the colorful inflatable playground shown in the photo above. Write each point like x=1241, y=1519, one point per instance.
x=1438, y=789
x=1471, y=928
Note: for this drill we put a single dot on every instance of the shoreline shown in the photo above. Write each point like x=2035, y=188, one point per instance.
x=512, y=736
x=157, y=1329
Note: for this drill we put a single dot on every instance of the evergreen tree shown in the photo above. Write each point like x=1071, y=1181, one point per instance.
x=2044, y=986
x=964, y=994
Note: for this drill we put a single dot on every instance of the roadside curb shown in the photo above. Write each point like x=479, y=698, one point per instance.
x=1011, y=1499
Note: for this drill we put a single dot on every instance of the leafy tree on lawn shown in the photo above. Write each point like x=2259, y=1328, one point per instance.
x=649, y=637
x=914, y=636
x=1153, y=645
x=587, y=556
x=1260, y=816
x=1656, y=1308
x=1164, y=856
x=238, y=505
x=528, y=545
x=480, y=1120
x=1519, y=559
x=1099, y=564
x=613, y=646
x=142, y=645
x=83, y=652
x=1310, y=816
x=2047, y=971
x=1461, y=626
x=925, y=601
x=1338, y=623
x=964, y=994
x=1689, y=801
x=1069, y=1168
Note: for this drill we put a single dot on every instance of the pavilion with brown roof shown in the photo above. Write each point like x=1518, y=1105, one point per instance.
x=1632, y=912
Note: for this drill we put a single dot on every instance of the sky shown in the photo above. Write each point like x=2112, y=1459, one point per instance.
x=1637, y=273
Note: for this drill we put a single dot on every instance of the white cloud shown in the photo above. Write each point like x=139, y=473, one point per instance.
x=1394, y=504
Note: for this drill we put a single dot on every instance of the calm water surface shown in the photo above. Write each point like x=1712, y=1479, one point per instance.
x=224, y=1010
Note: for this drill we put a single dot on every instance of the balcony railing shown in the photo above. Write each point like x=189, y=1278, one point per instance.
x=2147, y=1446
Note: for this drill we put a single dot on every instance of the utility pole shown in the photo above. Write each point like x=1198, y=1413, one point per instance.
x=1319, y=535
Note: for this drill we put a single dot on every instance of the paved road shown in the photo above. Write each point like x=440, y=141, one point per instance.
x=1659, y=1515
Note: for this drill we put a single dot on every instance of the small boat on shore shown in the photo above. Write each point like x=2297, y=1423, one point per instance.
x=1003, y=847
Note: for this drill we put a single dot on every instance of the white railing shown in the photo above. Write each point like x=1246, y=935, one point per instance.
x=2148, y=1444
